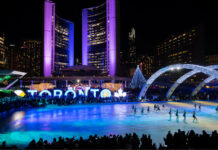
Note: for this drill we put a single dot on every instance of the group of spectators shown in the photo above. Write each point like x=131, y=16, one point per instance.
x=14, y=102
x=190, y=140
x=178, y=140
x=182, y=96
x=129, y=141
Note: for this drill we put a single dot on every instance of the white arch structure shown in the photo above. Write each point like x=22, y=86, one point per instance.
x=198, y=88
x=186, y=76
x=193, y=67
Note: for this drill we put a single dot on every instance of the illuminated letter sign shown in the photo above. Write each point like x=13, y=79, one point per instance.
x=70, y=91
x=120, y=93
x=87, y=90
x=81, y=92
x=94, y=92
x=105, y=93
x=58, y=93
x=32, y=92
x=45, y=91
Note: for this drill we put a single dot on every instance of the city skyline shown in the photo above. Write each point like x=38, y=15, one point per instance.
x=157, y=20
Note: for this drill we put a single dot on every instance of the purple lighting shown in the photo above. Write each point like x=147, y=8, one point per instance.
x=90, y=46
x=71, y=45
x=49, y=37
x=85, y=37
x=112, y=36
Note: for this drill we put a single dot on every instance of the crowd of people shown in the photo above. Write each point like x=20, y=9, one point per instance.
x=14, y=102
x=161, y=95
x=190, y=140
x=177, y=140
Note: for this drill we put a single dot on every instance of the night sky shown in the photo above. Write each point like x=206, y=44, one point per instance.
x=154, y=20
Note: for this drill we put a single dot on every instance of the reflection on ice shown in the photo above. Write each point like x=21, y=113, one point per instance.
x=83, y=120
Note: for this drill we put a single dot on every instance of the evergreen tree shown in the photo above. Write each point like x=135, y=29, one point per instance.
x=138, y=79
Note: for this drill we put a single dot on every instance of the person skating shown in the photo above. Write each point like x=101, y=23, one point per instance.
x=133, y=107
x=155, y=106
x=199, y=107
x=170, y=112
x=148, y=109
x=194, y=117
x=177, y=114
x=142, y=111
x=158, y=108
x=184, y=115
x=195, y=106
x=135, y=110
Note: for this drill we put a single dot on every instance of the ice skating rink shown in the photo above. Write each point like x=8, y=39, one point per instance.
x=21, y=127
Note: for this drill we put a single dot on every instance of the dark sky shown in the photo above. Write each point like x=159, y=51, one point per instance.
x=154, y=20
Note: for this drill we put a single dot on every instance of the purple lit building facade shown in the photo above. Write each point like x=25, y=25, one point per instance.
x=58, y=41
x=100, y=37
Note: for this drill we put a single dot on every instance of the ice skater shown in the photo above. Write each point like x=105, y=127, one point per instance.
x=158, y=108
x=155, y=106
x=199, y=107
x=142, y=110
x=135, y=110
x=217, y=109
x=177, y=115
x=195, y=106
x=194, y=117
x=184, y=115
x=133, y=107
x=170, y=113
x=148, y=109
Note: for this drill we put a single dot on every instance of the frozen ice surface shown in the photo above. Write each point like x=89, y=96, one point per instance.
x=105, y=119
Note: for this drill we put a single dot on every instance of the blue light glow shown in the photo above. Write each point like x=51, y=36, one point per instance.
x=71, y=44
x=94, y=91
x=58, y=93
x=32, y=92
x=103, y=119
x=105, y=93
x=70, y=91
x=45, y=91
x=80, y=92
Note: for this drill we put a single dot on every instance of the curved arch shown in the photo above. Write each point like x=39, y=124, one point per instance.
x=183, y=78
x=201, y=85
x=205, y=70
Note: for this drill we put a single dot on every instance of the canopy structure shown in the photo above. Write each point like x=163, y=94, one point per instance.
x=138, y=79
x=9, y=77
x=195, y=69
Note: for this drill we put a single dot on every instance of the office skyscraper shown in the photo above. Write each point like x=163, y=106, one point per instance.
x=27, y=58
x=58, y=41
x=100, y=37
x=187, y=47
x=3, y=49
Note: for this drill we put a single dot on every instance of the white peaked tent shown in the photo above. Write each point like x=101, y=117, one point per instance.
x=138, y=79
